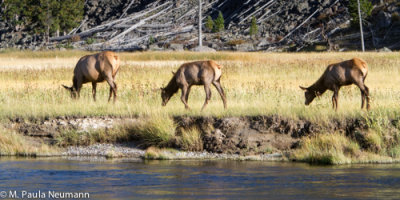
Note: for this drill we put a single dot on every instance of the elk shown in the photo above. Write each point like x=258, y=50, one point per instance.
x=336, y=75
x=95, y=68
x=194, y=73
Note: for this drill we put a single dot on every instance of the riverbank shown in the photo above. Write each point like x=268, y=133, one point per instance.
x=358, y=140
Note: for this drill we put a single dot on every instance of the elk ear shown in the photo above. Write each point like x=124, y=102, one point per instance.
x=66, y=87
x=303, y=88
x=173, y=73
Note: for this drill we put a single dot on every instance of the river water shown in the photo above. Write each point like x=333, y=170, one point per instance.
x=135, y=179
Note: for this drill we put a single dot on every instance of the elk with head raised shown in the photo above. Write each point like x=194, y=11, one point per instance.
x=95, y=68
x=194, y=73
x=336, y=75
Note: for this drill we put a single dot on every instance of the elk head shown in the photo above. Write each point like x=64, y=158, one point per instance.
x=72, y=90
x=309, y=95
x=164, y=96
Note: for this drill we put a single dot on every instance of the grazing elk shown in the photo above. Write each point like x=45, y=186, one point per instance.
x=95, y=68
x=194, y=73
x=336, y=75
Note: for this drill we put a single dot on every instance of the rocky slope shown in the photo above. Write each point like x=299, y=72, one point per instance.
x=161, y=24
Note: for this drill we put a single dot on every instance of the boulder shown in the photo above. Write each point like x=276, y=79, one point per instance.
x=384, y=49
x=203, y=49
x=154, y=47
x=176, y=47
x=244, y=47
x=303, y=6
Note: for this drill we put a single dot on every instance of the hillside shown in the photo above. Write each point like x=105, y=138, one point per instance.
x=159, y=24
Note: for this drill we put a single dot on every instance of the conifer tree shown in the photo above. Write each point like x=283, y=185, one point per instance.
x=365, y=8
x=253, y=27
x=209, y=24
x=219, y=23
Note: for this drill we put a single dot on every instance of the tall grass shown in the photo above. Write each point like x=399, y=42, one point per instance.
x=336, y=148
x=154, y=131
x=327, y=149
x=14, y=144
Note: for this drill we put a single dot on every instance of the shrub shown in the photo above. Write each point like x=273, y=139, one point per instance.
x=90, y=40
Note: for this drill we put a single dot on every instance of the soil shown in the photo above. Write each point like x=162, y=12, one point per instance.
x=248, y=135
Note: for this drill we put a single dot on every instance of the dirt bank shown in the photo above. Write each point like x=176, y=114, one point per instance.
x=249, y=135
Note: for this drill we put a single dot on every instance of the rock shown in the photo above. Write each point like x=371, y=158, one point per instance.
x=384, y=49
x=176, y=47
x=203, y=49
x=263, y=42
x=244, y=47
x=325, y=2
x=302, y=7
x=154, y=47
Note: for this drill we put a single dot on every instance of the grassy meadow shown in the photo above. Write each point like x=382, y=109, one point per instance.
x=255, y=84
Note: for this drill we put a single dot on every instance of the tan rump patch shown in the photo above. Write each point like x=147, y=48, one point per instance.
x=361, y=64
x=218, y=73
x=115, y=64
x=364, y=71
x=217, y=69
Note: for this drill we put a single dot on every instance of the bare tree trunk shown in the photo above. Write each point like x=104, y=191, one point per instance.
x=200, y=24
x=361, y=28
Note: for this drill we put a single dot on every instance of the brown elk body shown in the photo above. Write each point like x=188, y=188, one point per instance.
x=95, y=68
x=194, y=73
x=336, y=75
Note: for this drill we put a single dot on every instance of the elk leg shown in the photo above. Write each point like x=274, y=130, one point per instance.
x=183, y=96
x=78, y=88
x=362, y=98
x=113, y=89
x=335, y=99
x=221, y=92
x=208, y=95
x=187, y=94
x=110, y=94
x=364, y=94
x=94, y=84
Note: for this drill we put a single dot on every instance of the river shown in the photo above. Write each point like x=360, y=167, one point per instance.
x=136, y=179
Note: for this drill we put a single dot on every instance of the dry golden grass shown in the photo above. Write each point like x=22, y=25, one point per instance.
x=255, y=84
